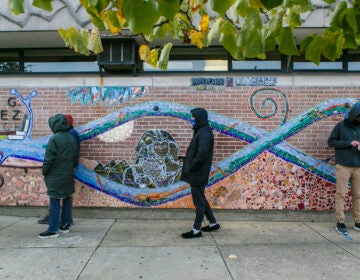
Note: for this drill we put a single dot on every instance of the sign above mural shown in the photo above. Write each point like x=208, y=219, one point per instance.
x=216, y=83
x=255, y=81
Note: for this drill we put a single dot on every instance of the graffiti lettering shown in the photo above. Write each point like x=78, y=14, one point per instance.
x=7, y=115
x=12, y=102
x=255, y=81
x=4, y=115
x=208, y=81
x=15, y=115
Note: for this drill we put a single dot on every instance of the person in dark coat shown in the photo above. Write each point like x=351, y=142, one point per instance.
x=196, y=169
x=73, y=132
x=58, y=169
x=345, y=138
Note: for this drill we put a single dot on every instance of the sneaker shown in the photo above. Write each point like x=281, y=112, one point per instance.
x=357, y=226
x=65, y=229
x=44, y=221
x=341, y=228
x=209, y=228
x=47, y=234
x=191, y=234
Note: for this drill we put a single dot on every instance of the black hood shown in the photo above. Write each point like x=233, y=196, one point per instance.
x=353, y=114
x=58, y=123
x=201, y=116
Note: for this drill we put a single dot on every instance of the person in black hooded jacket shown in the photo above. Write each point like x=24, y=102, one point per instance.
x=345, y=138
x=60, y=161
x=196, y=169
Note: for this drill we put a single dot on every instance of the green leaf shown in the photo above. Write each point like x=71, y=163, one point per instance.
x=43, y=4
x=269, y=43
x=168, y=8
x=101, y=5
x=253, y=19
x=164, y=57
x=214, y=31
x=96, y=19
x=339, y=14
x=293, y=19
x=75, y=40
x=306, y=41
x=299, y=6
x=287, y=43
x=350, y=42
x=162, y=30
x=329, y=1
x=271, y=4
x=242, y=7
x=250, y=42
x=94, y=43
x=350, y=17
x=227, y=28
x=274, y=26
x=313, y=50
x=16, y=6
x=221, y=6
x=228, y=41
x=332, y=44
x=141, y=15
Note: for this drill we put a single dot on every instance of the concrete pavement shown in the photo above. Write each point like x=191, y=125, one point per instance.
x=151, y=248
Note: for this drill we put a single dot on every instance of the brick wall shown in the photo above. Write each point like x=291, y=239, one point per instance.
x=231, y=102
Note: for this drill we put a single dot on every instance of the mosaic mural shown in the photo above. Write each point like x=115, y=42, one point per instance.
x=156, y=165
x=105, y=96
x=225, y=180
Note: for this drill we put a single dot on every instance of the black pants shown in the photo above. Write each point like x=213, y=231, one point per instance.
x=202, y=207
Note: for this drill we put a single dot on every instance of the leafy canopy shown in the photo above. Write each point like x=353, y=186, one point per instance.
x=245, y=28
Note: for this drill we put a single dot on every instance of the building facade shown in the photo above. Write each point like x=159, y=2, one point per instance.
x=271, y=119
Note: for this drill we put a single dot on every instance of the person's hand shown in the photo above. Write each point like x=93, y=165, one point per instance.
x=355, y=143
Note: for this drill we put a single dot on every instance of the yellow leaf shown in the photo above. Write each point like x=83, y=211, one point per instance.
x=113, y=21
x=196, y=38
x=144, y=53
x=154, y=55
x=204, y=23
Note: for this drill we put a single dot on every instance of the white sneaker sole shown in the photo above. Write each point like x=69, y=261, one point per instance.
x=342, y=233
x=356, y=228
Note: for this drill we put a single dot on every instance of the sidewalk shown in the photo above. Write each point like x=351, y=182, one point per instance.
x=152, y=249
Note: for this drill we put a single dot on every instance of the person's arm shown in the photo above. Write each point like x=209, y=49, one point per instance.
x=50, y=156
x=334, y=139
x=202, y=152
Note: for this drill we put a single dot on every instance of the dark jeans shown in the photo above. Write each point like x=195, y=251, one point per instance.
x=202, y=207
x=55, y=222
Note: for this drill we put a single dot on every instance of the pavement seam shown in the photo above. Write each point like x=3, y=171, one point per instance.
x=222, y=256
x=96, y=248
x=332, y=242
x=23, y=218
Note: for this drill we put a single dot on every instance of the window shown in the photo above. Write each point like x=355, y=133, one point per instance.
x=9, y=62
x=300, y=64
x=46, y=61
x=58, y=60
x=192, y=59
x=271, y=63
x=353, y=60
